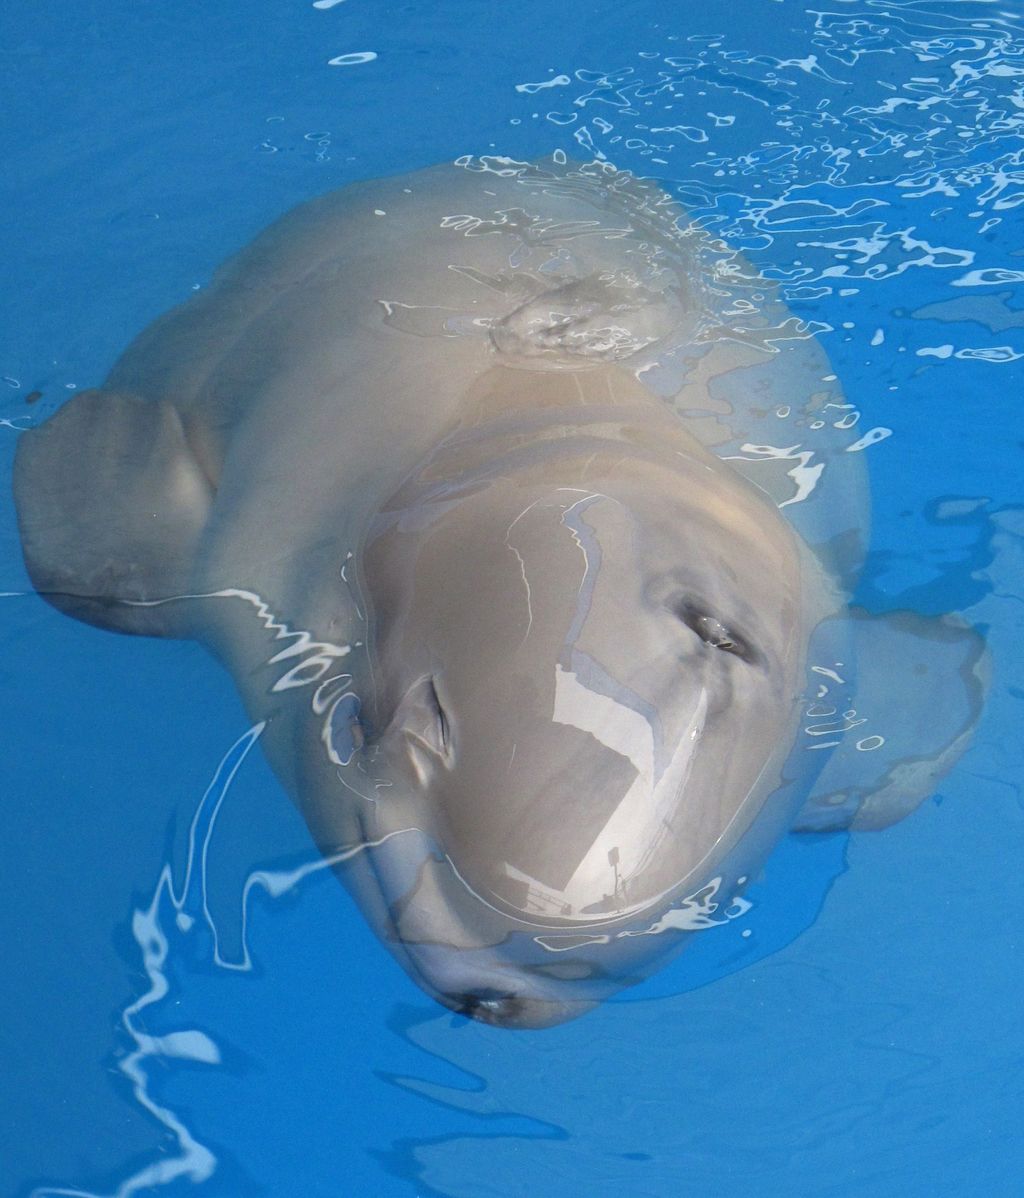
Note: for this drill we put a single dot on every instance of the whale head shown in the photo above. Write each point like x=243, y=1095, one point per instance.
x=585, y=672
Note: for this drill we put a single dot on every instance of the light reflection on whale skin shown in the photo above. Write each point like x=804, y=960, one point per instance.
x=430, y=468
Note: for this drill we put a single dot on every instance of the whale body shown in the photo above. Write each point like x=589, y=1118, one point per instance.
x=463, y=476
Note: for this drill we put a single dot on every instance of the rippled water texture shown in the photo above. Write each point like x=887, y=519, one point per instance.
x=187, y=1000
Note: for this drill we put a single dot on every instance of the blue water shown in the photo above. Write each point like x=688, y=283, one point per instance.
x=858, y=1031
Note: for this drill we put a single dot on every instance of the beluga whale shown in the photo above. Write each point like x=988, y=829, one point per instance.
x=526, y=517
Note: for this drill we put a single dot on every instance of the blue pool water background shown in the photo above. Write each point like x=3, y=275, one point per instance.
x=857, y=1031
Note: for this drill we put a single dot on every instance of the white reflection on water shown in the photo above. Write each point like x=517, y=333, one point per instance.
x=801, y=145
x=173, y=910
x=193, y=1160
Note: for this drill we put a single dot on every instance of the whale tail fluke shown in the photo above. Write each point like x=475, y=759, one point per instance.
x=111, y=503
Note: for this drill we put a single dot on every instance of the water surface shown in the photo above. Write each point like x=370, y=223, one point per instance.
x=857, y=1030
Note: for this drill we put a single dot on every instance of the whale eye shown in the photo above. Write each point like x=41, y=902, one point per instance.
x=422, y=720
x=441, y=716
x=713, y=632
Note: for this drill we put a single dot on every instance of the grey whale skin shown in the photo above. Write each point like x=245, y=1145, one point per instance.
x=463, y=475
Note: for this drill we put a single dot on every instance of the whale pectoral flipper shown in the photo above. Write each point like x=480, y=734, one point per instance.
x=111, y=502
x=920, y=688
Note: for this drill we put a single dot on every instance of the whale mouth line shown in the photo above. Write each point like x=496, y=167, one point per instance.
x=485, y=1002
x=498, y=1008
